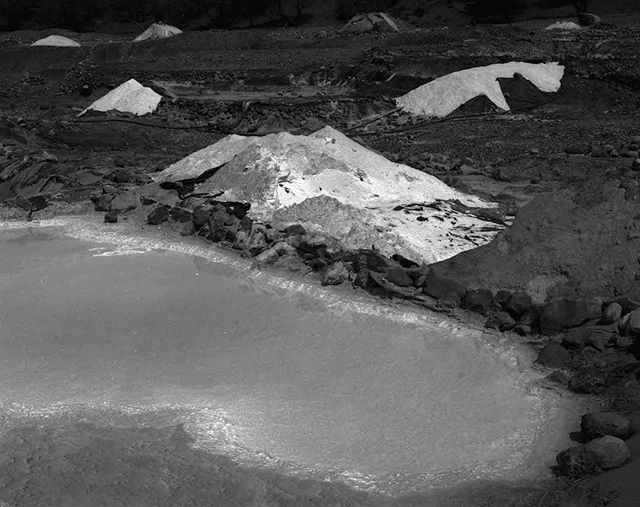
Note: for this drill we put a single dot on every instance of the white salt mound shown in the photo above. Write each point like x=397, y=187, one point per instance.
x=130, y=97
x=444, y=95
x=157, y=31
x=336, y=186
x=564, y=25
x=57, y=41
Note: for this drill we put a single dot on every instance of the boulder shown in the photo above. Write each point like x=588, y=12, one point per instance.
x=610, y=452
x=633, y=324
x=478, y=301
x=441, y=287
x=284, y=248
x=588, y=380
x=599, y=424
x=566, y=313
x=612, y=313
x=181, y=215
x=335, y=275
x=603, y=453
x=398, y=276
x=201, y=216
x=256, y=243
x=553, y=355
x=518, y=303
x=295, y=230
x=111, y=217
x=599, y=339
x=266, y=258
x=125, y=201
x=371, y=260
x=158, y=215
x=501, y=321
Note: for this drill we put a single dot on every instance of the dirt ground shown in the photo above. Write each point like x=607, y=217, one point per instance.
x=257, y=82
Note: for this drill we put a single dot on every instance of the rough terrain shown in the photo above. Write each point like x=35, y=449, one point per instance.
x=561, y=166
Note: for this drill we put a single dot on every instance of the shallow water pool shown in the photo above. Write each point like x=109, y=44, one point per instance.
x=268, y=375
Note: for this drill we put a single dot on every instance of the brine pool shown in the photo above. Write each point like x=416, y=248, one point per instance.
x=281, y=374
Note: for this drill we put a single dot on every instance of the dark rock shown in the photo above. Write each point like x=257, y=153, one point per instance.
x=577, y=462
x=599, y=339
x=295, y=230
x=257, y=242
x=629, y=303
x=588, y=380
x=123, y=176
x=237, y=209
x=335, y=275
x=102, y=202
x=246, y=224
x=501, y=321
x=390, y=288
x=518, y=303
x=612, y=313
x=266, y=258
x=371, y=260
x=181, y=215
x=633, y=324
x=553, y=355
x=478, y=301
x=201, y=216
x=599, y=424
x=125, y=201
x=501, y=298
x=622, y=342
x=158, y=215
x=404, y=262
x=284, y=248
x=111, y=217
x=522, y=329
x=398, y=276
x=578, y=149
x=611, y=452
x=586, y=357
x=441, y=287
x=154, y=193
x=566, y=313
x=635, y=165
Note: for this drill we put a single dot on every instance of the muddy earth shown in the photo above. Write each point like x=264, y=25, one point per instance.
x=562, y=168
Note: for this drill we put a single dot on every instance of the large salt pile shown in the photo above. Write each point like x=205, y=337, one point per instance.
x=157, y=31
x=130, y=97
x=57, y=41
x=332, y=184
x=444, y=95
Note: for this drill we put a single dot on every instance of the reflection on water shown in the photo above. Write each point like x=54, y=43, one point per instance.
x=265, y=374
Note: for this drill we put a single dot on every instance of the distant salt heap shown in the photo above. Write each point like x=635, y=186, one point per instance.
x=130, y=97
x=157, y=31
x=564, y=25
x=57, y=41
x=441, y=97
x=333, y=185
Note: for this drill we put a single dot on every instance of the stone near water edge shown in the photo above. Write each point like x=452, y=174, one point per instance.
x=158, y=215
x=553, y=355
x=125, y=201
x=522, y=329
x=181, y=215
x=588, y=380
x=398, y=276
x=612, y=313
x=111, y=217
x=559, y=377
x=257, y=242
x=284, y=248
x=201, y=216
x=336, y=274
x=568, y=312
x=518, y=303
x=478, y=301
x=599, y=424
x=577, y=462
x=266, y=258
x=440, y=287
x=501, y=321
x=102, y=202
x=611, y=452
x=501, y=298
x=369, y=259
